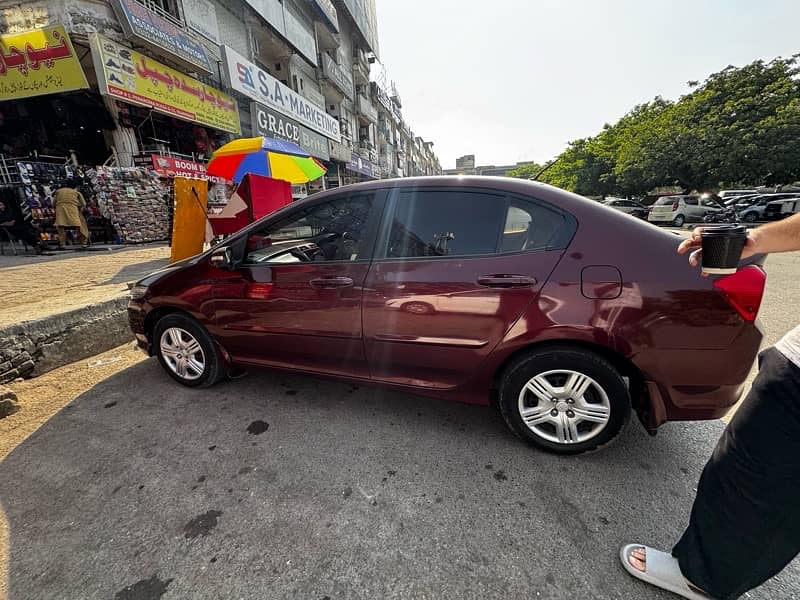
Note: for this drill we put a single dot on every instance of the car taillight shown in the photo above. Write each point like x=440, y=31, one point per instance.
x=744, y=290
x=676, y=204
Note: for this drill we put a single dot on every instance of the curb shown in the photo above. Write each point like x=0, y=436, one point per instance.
x=31, y=348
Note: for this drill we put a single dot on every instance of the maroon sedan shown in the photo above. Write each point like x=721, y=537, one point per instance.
x=564, y=311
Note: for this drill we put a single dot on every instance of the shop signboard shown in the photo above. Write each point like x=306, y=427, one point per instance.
x=271, y=123
x=201, y=16
x=361, y=165
x=170, y=166
x=340, y=152
x=381, y=96
x=327, y=11
x=145, y=26
x=336, y=75
x=39, y=62
x=255, y=83
x=138, y=79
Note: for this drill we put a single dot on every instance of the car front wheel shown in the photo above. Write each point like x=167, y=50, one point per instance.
x=566, y=401
x=186, y=351
x=750, y=217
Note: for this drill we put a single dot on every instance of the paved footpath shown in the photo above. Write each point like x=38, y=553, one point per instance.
x=32, y=287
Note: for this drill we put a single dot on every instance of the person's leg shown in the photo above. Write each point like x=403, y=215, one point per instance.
x=84, y=231
x=745, y=522
x=62, y=236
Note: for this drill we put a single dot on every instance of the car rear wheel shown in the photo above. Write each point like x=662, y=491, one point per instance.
x=186, y=351
x=750, y=217
x=566, y=401
x=679, y=221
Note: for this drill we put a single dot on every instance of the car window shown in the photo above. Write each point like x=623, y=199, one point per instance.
x=530, y=226
x=439, y=223
x=332, y=231
x=690, y=201
x=665, y=200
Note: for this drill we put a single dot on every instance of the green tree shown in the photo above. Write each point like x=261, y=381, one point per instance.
x=740, y=126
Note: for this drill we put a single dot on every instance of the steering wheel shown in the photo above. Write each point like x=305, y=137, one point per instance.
x=297, y=253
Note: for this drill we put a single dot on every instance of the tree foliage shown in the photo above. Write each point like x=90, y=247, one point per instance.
x=739, y=127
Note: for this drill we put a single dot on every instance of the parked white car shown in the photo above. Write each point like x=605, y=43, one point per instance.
x=727, y=194
x=677, y=210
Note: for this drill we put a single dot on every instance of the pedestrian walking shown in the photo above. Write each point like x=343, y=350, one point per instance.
x=745, y=522
x=70, y=204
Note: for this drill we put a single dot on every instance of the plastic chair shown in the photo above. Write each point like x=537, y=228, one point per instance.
x=10, y=238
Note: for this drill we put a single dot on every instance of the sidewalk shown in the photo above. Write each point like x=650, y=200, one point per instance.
x=60, y=308
x=33, y=287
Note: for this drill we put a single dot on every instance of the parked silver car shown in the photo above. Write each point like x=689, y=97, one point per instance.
x=753, y=209
x=677, y=210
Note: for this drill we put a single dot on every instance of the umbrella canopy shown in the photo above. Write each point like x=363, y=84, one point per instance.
x=270, y=157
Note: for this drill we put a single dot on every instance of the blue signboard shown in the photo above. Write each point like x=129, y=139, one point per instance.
x=154, y=30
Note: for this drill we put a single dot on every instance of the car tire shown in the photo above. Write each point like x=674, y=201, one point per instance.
x=559, y=423
x=187, y=351
x=750, y=217
x=679, y=221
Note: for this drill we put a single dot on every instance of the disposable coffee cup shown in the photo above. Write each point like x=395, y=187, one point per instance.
x=722, y=248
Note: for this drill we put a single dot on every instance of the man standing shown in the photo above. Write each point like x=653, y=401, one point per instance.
x=745, y=522
x=69, y=204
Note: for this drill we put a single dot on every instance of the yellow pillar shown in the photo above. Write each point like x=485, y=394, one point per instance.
x=189, y=221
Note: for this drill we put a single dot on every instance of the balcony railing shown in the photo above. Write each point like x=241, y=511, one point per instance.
x=365, y=108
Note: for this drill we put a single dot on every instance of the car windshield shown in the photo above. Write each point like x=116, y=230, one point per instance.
x=665, y=200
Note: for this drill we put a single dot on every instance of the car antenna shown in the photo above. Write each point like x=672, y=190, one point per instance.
x=547, y=166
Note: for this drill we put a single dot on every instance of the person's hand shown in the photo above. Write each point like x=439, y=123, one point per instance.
x=695, y=243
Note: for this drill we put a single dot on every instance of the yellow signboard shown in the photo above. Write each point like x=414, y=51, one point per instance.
x=138, y=79
x=38, y=62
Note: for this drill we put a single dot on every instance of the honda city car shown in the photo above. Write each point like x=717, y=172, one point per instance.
x=566, y=313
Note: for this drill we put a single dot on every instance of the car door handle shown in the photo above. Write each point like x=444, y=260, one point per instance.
x=331, y=282
x=504, y=281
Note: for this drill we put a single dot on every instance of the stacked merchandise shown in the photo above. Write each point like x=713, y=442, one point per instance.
x=135, y=201
x=39, y=182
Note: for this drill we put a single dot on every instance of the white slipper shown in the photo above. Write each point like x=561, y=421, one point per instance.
x=662, y=571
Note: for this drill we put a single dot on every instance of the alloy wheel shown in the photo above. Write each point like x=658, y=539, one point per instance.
x=564, y=406
x=182, y=353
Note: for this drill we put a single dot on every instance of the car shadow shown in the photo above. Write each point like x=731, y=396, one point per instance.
x=137, y=271
x=279, y=485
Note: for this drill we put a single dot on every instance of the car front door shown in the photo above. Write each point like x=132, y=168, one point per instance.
x=295, y=299
x=454, y=270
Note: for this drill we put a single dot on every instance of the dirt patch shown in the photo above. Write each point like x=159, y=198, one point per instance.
x=41, y=398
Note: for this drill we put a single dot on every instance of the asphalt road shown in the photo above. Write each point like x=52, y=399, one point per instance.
x=278, y=486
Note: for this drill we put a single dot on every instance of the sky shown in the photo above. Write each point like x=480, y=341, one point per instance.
x=515, y=80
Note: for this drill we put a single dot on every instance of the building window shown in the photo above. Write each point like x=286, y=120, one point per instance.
x=165, y=8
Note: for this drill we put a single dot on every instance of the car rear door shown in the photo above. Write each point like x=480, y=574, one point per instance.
x=454, y=268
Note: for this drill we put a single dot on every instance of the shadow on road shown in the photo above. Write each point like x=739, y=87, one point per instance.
x=137, y=271
x=279, y=486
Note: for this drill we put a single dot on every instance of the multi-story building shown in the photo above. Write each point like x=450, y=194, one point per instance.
x=118, y=79
x=465, y=165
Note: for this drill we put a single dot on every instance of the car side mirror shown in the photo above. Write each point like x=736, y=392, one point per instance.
x=222, y=258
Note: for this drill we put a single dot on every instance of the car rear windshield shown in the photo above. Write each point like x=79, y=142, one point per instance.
x=664, y=200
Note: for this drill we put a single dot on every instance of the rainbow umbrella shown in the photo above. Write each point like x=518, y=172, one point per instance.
x=270, y=157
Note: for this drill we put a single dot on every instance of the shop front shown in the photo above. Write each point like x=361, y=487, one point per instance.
x=360, y=169
x=181, y=114
x=46, y=106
